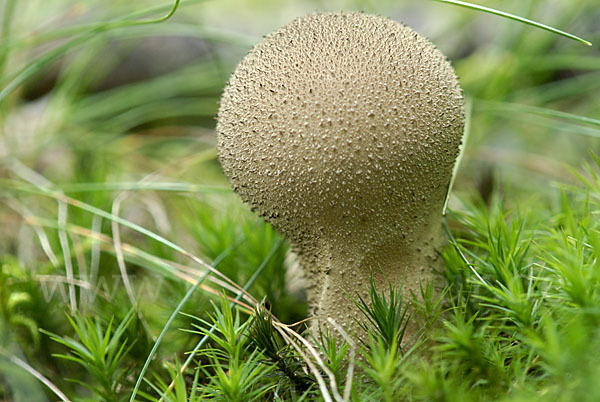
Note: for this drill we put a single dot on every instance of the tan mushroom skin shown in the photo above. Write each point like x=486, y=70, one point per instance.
x=342, y=130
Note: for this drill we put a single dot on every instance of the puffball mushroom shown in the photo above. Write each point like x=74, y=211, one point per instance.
x=342, y=130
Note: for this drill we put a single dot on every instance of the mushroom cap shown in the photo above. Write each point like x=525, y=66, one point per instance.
x=342, y=125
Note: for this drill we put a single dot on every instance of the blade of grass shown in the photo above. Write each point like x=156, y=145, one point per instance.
x=350, y=371
x=541, y=111
x=64, y=244
x=579, y=87
x=322, y=386
x=284, y=329
x=41, y=234
x=553, y=62
x=121, y=263
x=34, y=373
x=95, y=253
x=515, y=18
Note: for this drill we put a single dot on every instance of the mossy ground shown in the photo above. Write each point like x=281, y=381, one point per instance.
x=100, y=177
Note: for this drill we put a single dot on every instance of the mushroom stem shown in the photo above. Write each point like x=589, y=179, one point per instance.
x=348, y=266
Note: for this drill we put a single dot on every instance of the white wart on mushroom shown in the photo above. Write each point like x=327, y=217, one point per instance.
x=342, y=129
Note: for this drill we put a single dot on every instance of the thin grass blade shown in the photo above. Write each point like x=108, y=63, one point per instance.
x=515, y=18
